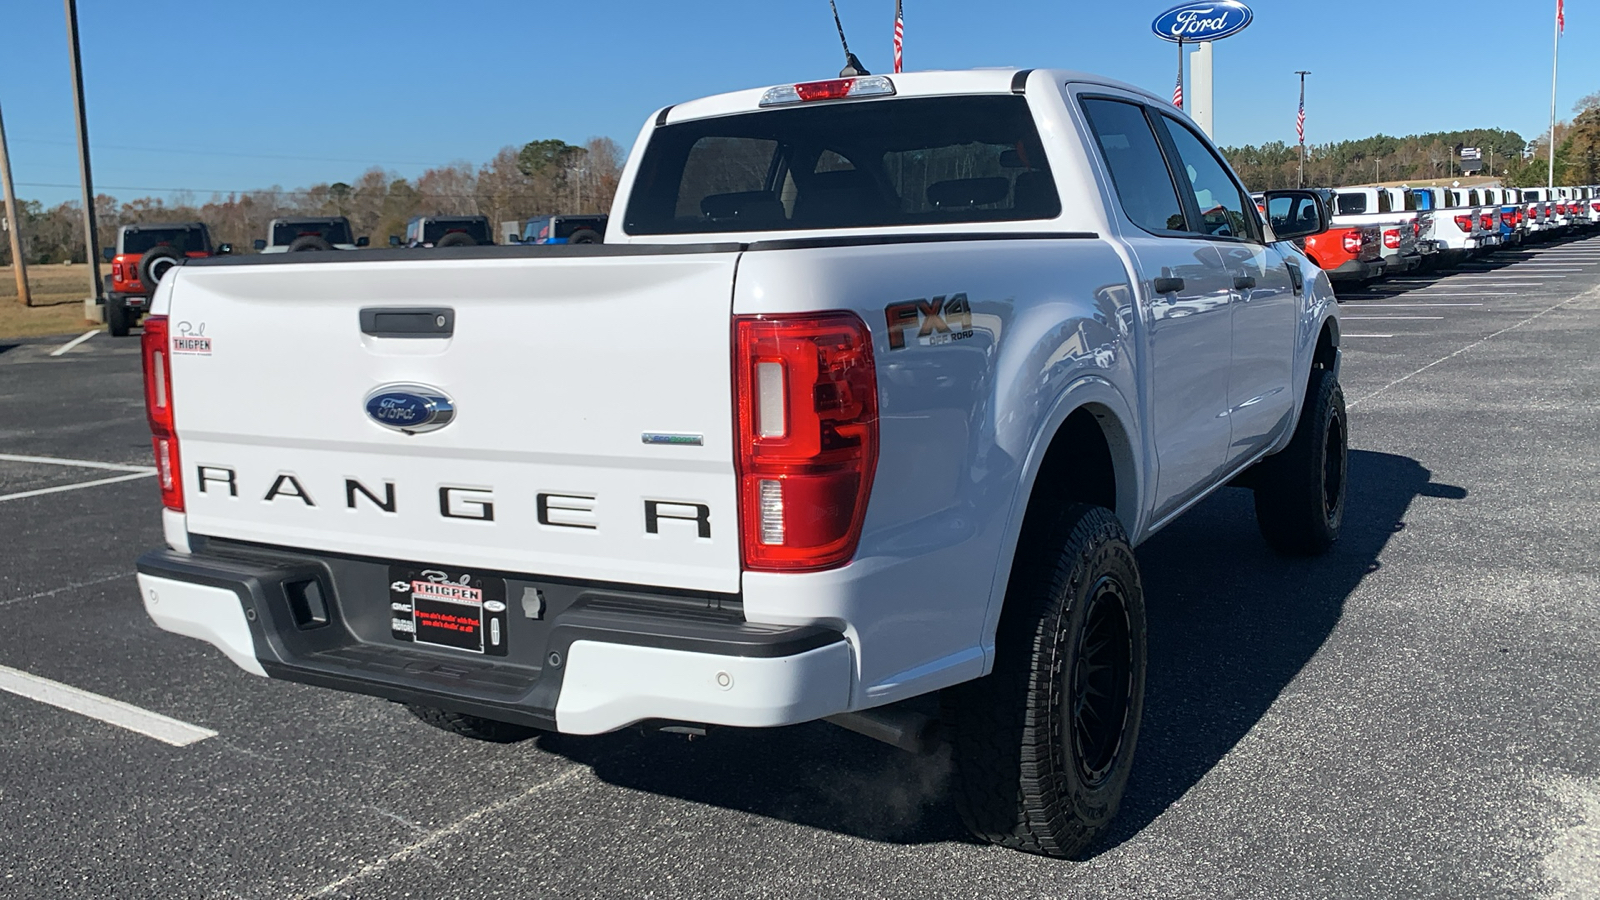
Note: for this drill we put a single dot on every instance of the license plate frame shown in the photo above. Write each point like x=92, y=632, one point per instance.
x=448, y=608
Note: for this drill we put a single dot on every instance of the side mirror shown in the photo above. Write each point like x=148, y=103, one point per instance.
x=224, y=249
x=259, y=244
x=394, y=240
x=1296, y=214
x=513, y=238
x=362, y=241
x=109, y=253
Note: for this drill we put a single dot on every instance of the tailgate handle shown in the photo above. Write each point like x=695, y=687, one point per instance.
x=408, y=322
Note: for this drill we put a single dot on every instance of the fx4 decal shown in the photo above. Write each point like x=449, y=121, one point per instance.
x=938, y=321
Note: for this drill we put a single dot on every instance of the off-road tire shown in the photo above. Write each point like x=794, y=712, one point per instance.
x=1300, y=491
x=149, y=261
x=309, y=242
x=456, y=239
x=117, y=318
x=1029, y=774
x=585, y=236
x=475, y=727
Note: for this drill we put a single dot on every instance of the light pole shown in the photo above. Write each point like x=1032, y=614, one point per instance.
x=1300, y=127
x=91, y=243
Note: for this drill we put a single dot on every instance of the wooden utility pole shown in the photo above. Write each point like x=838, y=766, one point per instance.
x=91, y=242
x=13, y=220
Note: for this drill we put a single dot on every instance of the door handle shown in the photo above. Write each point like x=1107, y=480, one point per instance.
x=1168, y=285
x=1244, y=282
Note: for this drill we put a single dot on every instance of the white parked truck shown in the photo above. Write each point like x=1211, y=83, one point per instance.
x=869, y=394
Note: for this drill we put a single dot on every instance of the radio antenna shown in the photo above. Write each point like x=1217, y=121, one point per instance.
x=852, y=66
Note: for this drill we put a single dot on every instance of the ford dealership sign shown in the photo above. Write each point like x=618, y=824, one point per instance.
x=1193, y=22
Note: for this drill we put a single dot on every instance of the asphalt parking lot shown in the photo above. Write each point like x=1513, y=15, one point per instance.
x=1416, y=714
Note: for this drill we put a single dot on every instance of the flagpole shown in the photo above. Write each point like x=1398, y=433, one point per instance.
x=1555, y=64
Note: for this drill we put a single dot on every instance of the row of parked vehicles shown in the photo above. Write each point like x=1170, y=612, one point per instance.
x=1385, y=231
x=143, y=253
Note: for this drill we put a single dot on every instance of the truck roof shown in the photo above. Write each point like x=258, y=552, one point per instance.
x=906, y=84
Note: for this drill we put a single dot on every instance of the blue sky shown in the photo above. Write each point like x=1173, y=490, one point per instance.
x=227, y=95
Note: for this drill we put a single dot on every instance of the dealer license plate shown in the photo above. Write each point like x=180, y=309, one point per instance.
x=444, y=607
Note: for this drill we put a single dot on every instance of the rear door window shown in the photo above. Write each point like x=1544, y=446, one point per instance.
x=1139, y=171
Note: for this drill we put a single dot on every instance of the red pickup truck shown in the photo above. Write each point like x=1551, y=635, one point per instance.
x=1350, y=254
x=143, y=254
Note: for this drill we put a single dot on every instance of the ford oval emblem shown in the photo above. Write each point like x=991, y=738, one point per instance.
x=1194, y=22
x=410, y=408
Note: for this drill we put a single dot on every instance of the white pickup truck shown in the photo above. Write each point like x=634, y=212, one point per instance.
x=869, y=394
x=1397, y=226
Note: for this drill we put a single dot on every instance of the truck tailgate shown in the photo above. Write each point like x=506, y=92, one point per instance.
x=558, y=369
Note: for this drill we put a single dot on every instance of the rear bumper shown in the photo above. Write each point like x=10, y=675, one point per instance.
x=1357, y=270
x=594, y=658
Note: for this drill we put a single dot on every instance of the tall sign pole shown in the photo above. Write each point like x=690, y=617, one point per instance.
x=91, y=242
x=13, y=221
x=1201, y=22
x=1555, y=65
x=1300, y=127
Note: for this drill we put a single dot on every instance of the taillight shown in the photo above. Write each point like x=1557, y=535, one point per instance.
x=158, y=409
x=1352, y=242
x=1596, y=206
x=1416, y=228
x=1508, y=219
x=1391, y=239
x=116, y=271
x=1487, y=221
x=1464, y=223
x=807, y=415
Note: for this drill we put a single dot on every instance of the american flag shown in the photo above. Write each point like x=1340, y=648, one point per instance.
x=1177, y=89
x=1561, y=16
x=899, y=36
x=1300, y=122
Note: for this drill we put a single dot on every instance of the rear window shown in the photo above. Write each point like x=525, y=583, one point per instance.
x=567, y=225
x=334, y=232
x=1352, y=204
x=918, y=161
x=1413, y=201
x=434, y=230
x=183, y=240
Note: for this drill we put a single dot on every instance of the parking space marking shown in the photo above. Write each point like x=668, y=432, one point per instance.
x=74, y=342
x=1392, y=318
x=113, y=712
x=1366, y=336
x=79, y=463
x=134, y=473
x=1449, y=356
x=77, y=486
x=457, y=827
x=65, y=587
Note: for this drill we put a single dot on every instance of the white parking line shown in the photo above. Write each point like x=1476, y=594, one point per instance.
x=1366, y=335
x=113, y=712
x=78, y=486
x=74, y=342
x=1392, y=318
x=79, y=463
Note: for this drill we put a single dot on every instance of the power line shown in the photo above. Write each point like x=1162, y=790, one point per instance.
x=377, y=162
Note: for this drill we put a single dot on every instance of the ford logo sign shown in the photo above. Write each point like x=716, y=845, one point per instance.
x=410, y=408
x=1193, y=22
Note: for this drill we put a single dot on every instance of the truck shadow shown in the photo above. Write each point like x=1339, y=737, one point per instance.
x=1231, y=624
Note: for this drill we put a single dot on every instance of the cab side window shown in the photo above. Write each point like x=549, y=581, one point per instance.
x=1138, y=170
x=1225, y=209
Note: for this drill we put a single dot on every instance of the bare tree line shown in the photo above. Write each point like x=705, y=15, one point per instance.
x=539, y=178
